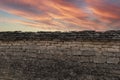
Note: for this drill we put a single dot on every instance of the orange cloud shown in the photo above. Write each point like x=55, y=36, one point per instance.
x=64, y=14
x=50, y=11
x=105, y=9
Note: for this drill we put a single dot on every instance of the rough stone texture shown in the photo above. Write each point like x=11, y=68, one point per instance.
x=61, y=36
x=113, y=60
x=100, y=59
x=86, y=55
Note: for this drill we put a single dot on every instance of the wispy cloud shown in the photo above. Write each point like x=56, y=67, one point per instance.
x=65, y=15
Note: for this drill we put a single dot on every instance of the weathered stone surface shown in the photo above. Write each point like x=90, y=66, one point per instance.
x=61, y=36
x=111, y=49
x=88, y=52
x=86, y=55
x=100, y=59
x=113, y=60
x=110, y=54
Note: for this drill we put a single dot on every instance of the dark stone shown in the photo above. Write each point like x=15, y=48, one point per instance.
x=61, y=36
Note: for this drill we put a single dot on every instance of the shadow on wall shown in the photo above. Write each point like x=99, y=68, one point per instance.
x=61, y=36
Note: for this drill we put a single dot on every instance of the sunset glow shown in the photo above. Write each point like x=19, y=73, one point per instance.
x=59, y=15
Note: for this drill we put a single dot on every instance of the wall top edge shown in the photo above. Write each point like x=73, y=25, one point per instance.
x=61, y=36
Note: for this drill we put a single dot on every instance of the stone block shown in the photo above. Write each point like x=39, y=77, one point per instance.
x=85, y=59
x=113, y=60
x=115, y=72
x=111, y=49
x=117, y=54
x=88, y=52
x=99, y=59
x=109, y=54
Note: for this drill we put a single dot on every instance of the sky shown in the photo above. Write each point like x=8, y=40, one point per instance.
x=59, y=15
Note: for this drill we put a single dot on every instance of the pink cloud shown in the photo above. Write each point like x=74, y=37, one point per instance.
x=63, y=14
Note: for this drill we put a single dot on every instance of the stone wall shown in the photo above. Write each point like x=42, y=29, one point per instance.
x=61, y=36
x=61, y=58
